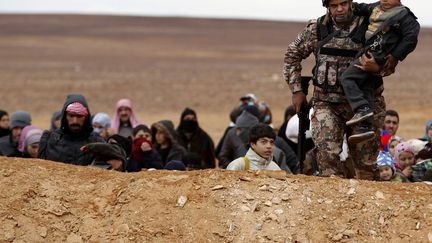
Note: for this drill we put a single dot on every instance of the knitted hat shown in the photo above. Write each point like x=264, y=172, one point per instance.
x=103, y=119
x=402, y=147
x=246, y=120
x=20, y=119
x=416, y=145
x=385, y=159
x=139, y=128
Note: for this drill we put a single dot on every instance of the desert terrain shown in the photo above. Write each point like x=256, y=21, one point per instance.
x=165, y=65
x=43, y=201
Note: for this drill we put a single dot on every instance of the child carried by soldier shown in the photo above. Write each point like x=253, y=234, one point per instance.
x=391, y=35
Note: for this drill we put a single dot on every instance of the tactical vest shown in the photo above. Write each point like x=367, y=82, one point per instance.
x=336, y=49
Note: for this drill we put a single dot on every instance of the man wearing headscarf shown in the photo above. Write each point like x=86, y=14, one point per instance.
x=64, y=143
x=124, y=119
x=9, y=144
x=199, y=145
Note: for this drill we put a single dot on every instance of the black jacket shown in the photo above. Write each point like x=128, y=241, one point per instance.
x=8, y=147
x=199, y=143
x=64, y=146
x=176, y=151
x=399, y=40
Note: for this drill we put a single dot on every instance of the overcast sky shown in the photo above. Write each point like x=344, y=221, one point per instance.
x=252, y=9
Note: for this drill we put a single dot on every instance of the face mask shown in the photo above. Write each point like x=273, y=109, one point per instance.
x=97, y=130
x=189, y=125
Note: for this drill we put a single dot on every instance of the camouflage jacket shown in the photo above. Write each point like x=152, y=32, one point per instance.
x=328, y=66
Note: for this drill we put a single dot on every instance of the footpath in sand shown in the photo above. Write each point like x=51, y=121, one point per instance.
x=42, y=201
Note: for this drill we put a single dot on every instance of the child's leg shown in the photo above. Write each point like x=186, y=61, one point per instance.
x=355, y=82
x=358, y=89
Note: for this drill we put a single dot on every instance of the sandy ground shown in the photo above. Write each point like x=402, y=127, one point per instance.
x=42, y=201
x=167, y=64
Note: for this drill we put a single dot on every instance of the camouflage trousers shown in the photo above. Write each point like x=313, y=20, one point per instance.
x=328, y=130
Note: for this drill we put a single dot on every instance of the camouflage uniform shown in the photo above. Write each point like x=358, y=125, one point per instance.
x=331, y=109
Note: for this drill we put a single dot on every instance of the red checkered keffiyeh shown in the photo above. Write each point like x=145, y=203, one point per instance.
x=77, y=108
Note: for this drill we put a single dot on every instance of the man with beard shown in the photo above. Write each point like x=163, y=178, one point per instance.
x=64, y=143
x=9, y=144
x=199, y=145
x=335, y=40
x=124, y=120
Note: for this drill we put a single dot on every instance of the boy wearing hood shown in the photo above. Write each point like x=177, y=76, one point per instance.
x=165, y=138
x=260, y=154
x=64, y=143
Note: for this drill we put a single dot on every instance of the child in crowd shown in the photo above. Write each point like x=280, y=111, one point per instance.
x=387, y=169
x=404, y=158
x=394, y=141
x=391, y=35
x=422, y=170
x=143, y=155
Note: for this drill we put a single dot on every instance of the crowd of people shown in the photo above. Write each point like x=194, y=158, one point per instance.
x=123, y=143
x=249, y=143
x=351, y=133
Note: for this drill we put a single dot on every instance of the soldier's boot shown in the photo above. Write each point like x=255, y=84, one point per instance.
x=363, y=134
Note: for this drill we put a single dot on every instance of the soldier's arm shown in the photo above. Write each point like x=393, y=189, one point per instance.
x=296, y=52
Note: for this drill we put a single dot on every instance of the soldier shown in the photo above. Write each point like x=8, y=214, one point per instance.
x=335, y=39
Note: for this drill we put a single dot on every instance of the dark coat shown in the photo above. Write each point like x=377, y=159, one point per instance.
x=64, y=146
x=8, y=147
x=199, y=143
x=176, y=152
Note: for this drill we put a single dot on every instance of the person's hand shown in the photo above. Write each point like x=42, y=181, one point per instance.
x=116, y=164
x=84, y=149
x=145, y=147
x=407, y=172
x=389, y=66
x=368, y=63
x=298, y=100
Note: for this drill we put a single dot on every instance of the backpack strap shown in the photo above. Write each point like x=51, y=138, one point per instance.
x=247, y=163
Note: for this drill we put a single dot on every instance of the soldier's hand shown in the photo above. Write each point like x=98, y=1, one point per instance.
x=389, y=66
x=298, y=99
x=368, y=63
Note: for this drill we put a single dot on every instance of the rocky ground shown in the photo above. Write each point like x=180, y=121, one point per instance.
x=167, y=64
x=42, y=201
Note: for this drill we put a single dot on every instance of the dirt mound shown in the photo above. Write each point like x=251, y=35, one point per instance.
x=46, y=201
